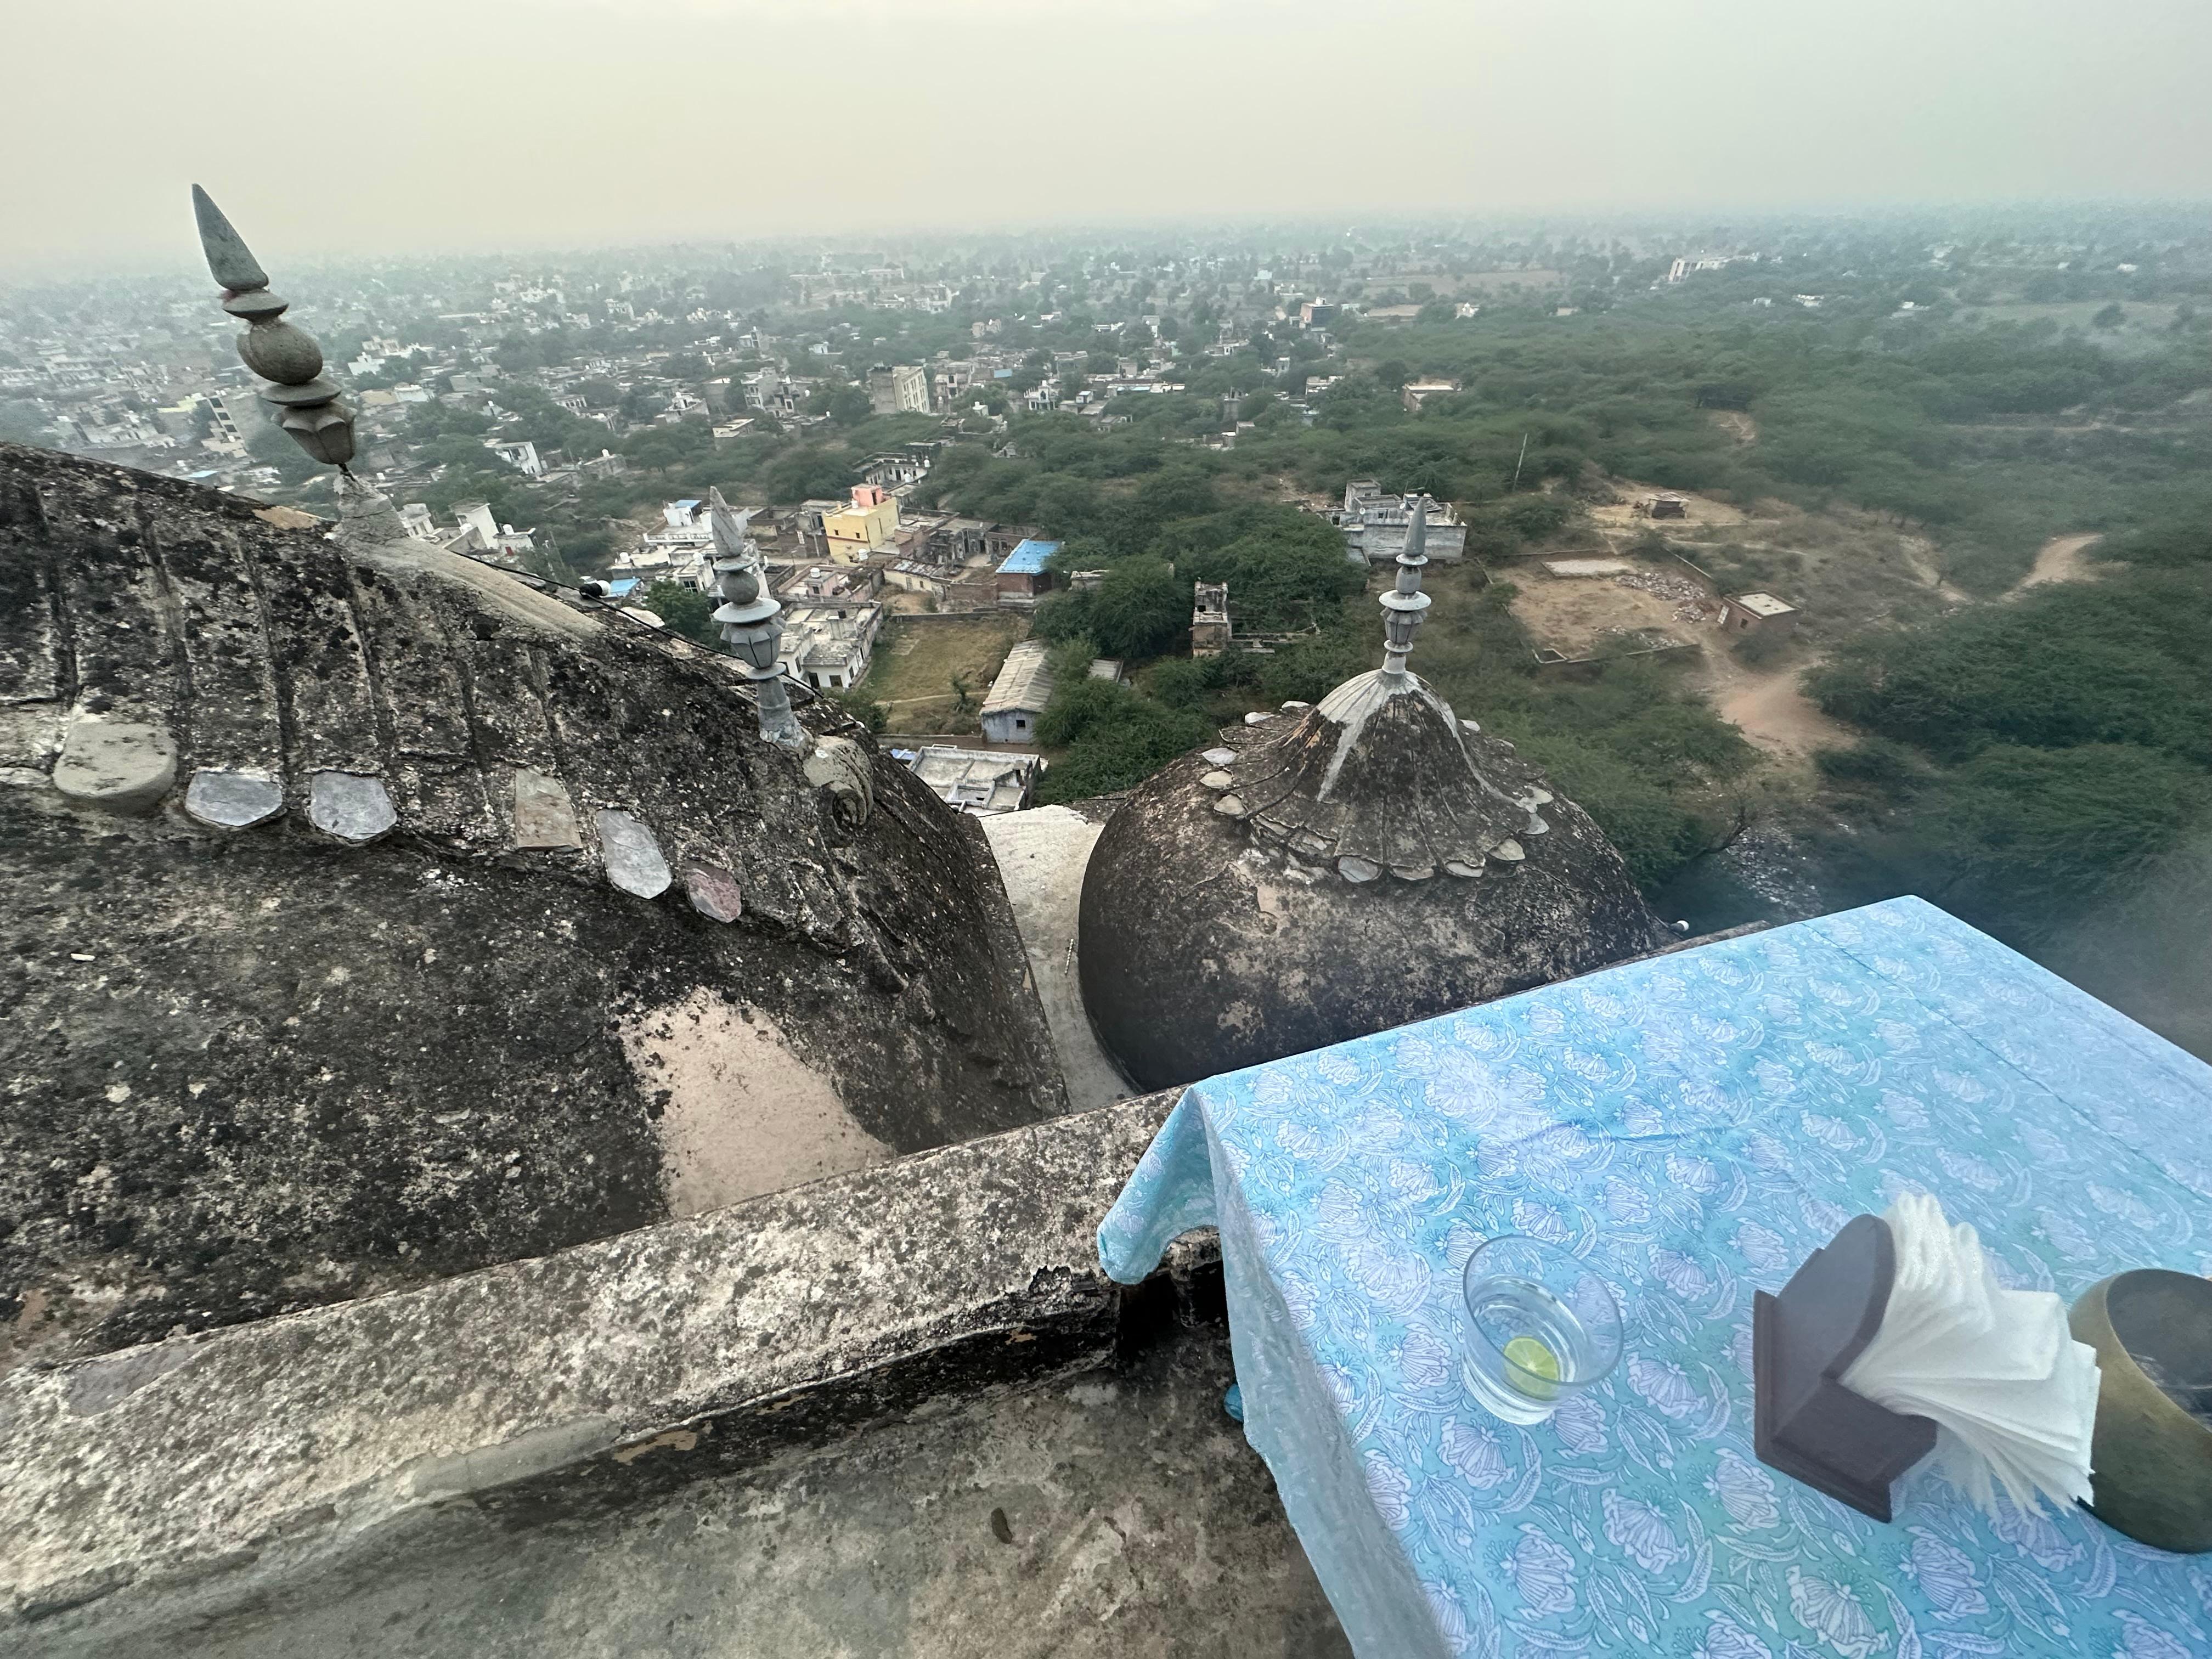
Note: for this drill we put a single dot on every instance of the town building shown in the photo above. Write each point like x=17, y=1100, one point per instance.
x=1416, y=392
x=1375, y=525
x=898, y=389
x=827, y=643
x=898, y=468
x=479, y=526
x=520, y=454
x=1023, y=578
x=831, y=583
x=1210, y=630
x=868, y=525
x=1758, y=613
x=1017, y=699
x=981, y=782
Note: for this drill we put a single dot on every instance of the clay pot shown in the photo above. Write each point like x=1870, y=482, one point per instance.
x=2151, y=1459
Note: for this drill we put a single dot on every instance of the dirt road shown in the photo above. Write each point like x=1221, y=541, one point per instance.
x=1772, y=711
x=2059, y=560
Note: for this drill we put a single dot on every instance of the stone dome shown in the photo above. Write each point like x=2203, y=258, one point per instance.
x=369, y=915
x=1331, y=870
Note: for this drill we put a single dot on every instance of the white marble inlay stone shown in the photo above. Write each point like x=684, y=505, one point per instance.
x=632, y=856
x=225, y=798
x=351, y=806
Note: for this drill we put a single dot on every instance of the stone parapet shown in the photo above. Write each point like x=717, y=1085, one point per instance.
x=197, y=1471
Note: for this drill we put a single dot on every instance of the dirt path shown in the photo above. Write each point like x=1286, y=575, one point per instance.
x=1772, y=710
x=2059, y=560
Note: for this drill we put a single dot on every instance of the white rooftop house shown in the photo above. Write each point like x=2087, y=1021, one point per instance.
x=828, y=645
x=1745, y=613
x=978, y=781
x=518, y=453
x=1375, y=525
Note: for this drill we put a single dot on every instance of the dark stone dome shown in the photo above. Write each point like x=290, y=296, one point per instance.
x=369, y=915
x=1335, y=871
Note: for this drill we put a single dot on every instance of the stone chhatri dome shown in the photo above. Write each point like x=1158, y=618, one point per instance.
x=369, y=915
x=1331, y=870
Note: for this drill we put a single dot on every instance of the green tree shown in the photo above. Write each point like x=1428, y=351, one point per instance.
x=1115, y=737
x=1140, y=609
x=686, y=611
x=808, y=474
x=864, y=710
x=2035, y=829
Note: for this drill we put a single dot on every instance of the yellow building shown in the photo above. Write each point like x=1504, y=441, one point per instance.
x=866, y=526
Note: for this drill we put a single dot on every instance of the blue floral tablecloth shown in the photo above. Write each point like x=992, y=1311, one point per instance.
x=1695, y=1125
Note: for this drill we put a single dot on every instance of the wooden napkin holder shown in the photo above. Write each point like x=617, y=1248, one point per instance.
x=1808, y=1425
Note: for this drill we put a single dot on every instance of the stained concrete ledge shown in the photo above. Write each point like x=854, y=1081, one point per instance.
x=207, y=1468
x=1040, y=854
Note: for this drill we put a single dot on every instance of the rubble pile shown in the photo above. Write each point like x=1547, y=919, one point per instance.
x=1693, y=602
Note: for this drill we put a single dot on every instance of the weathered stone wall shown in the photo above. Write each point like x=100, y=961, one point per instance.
x=193, y=1472
x=250, y=1069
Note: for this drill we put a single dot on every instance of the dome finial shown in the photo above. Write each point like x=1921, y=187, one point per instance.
x=286, y=356
x=751, y=621
x=1403, y=604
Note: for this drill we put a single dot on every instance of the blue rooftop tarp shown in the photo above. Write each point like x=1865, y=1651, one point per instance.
x=623, y=588
x=1028, y=559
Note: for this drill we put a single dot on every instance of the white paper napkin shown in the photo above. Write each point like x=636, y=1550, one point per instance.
x=2013, y=1396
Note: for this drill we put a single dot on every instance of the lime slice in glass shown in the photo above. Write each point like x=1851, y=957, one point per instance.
x=1536, y=1368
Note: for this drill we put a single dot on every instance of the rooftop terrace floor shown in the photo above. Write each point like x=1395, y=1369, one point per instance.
x=1110, y=1512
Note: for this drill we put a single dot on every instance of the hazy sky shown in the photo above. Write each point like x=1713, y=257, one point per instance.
x=414, y=125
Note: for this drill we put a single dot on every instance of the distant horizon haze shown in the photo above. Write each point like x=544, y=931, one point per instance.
x=477, y=126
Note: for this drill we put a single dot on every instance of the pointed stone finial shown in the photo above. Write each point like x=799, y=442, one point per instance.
x=1403, y=605
x=227, y=255
x=751, y=620
x=283, y=355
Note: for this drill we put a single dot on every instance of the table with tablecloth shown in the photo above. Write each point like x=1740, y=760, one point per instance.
x=1694, y=1125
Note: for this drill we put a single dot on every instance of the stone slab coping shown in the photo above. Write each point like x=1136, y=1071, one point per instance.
x=691, y=1347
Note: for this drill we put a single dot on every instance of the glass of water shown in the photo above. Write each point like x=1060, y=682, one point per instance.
x=1540, y=1325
